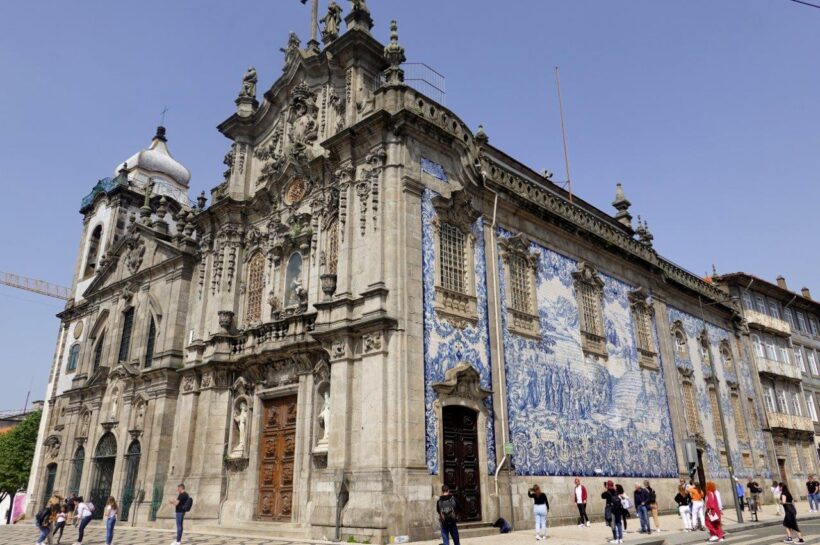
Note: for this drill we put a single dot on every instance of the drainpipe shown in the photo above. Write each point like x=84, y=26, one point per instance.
x=502, y=390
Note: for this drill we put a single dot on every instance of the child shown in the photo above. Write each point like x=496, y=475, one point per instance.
x=61, y=518
x=110, y=516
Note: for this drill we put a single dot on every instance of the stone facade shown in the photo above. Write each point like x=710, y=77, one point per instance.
x=377, y=301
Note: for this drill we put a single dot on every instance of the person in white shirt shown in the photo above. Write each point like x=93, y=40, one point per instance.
x=110, y=517
x=581, y=502
x=776, y=495
x=85, y=511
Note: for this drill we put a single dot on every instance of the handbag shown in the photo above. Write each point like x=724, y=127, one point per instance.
x=713, y=516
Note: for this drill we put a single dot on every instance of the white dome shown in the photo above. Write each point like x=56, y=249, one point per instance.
x=157, y=160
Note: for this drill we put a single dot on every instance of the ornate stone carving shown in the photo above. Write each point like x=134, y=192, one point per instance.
x=371, y=342
x=295, y=191
x=85, y=424
x=338, y=349
x=324, y=418
x=332, y=22
x=226, y=320
x=52, y=447
x=188, y=384
x=394, y=55
x=240, y=423
x=291, y=50
x=302, y=118
x=135, y=253
x=462, y=381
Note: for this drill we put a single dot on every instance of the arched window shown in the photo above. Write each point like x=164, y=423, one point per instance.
x=51, y=476
x=725, y=355
x=77, y=464
x=149, y=344
x=293, y=281
x=125, y=339
x=98, y=352
x=256, y=287
x=93, y=249
x=132, y=464
x=73, y=356
x=680, y=343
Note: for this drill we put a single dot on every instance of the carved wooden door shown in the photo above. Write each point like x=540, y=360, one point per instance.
x=460, y=460
x=276, y=456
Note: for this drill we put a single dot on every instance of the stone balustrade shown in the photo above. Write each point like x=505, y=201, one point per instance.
x=778, y=368
x=765, y=321
x=790, y=422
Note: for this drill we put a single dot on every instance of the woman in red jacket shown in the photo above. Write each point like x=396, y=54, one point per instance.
x=713, y=513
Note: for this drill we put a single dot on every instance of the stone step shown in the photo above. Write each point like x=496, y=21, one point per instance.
x=269, y=530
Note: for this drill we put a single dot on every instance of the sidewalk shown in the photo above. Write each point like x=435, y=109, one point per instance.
x=598, y=532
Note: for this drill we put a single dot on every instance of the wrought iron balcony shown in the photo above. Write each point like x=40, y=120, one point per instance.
x=764, y=321
x=790, y=422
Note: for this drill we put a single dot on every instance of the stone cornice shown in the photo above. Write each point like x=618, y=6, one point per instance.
x=587, y=222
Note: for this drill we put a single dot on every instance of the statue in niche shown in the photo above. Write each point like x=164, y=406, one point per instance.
x=324, y=417
x=249, y=83
x=139, y=420
x=294, y=291
x=332, y=22
x=85, y=423
x=240, y=419
x=115, y=394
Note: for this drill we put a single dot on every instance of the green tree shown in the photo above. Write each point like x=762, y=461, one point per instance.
x=16, y=455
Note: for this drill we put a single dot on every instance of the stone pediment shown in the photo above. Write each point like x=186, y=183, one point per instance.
x=130, y=257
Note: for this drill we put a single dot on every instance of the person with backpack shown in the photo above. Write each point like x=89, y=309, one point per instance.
x=85, y=510
x=540, y=508
x=110, y=517
x=447, y=508
x=625, y=503
x=615, y=508
x=641, y=497
x=653, y=505
x=182, y=505
x=43, y=520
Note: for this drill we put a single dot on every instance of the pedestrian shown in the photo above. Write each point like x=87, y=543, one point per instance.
x=540, y=508
x=62, y=515
x=641, y=497
x=581, y=503
x=43, y=522
x=790, y=515
x=615, y=509
x=813, y=490
x=739, y=488
x=776, y=493
x=698, y=518
x=713, y=512
x=625, y=504
x=754, y=497
x=653, y=505
x=447, y=508
x=182, y=505
x=110, y=516
x=684, y=502
x=71, y=505
x=85, y=510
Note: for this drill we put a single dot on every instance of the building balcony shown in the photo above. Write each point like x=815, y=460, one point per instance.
x=778, y=368
x=789, y=422
x=764, y=321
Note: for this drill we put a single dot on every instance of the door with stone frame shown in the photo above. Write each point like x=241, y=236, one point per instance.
x=460, y=459
x=277, y=447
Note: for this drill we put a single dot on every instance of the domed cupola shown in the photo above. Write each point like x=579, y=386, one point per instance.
x=155, y=163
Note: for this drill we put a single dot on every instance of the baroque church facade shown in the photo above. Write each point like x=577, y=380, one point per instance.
x=374, y=302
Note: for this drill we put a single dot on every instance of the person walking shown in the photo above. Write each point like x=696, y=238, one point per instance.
x=540, y=508
x=776, y=493
x=813, y=494
x=653, y=505
x=714, y=513
x=110, y=517
x=754, y=498
x=615, y=509
x=698, y=518
x=641, y=497
x=790, y=515
x=43, y=521
x=684, y=502
x=447, y=508
x=85, y=510
x=182, y=505
x=739, y=488
x=581, y=503
x=59, y=526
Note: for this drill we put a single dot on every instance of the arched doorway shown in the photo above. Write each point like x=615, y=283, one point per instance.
x=460, y=459
x=77, y=464
x=132, y=466
x=51, y=475
x=104, y=458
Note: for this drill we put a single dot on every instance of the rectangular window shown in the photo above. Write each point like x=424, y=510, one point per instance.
x=740, y=422
x=713, y=401
x=690, y=409
x=753, y=414
x=520, y=297
x=98, y=352
x=782, y=402
x=643, y=328
x=590, y=300
x=795, y=458
x=808, y=458
x=801, y=322
x=768, y=394
x=747, y=460
x=798, y=357
x=811, y=406
x=813, y=327
x=453, y=268
x=783, y=348
x=790, y=317
x=812, y=361
x=771, y=351
x=73, y=356
x=125, y=339
x=774, y=312
x=760, y=304
x=747, y=301
x=149, y=344
x=759, y=349
x=798, y=409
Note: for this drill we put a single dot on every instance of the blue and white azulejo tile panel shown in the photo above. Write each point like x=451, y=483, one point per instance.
x=445, y=346
x=569, y=414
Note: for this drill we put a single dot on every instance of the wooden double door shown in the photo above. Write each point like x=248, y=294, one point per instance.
x=460, y=459
x=277, y=447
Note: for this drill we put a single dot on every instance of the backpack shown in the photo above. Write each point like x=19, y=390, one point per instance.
x=188, y=504
x=447, y=508
x=41, y=516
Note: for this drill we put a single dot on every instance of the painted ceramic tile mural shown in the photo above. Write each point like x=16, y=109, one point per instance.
x=445, y=345
x=570, y=415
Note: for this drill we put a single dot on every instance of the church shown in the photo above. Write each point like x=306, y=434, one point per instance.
x=376, y=301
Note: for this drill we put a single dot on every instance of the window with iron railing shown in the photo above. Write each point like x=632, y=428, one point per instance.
x=713, y=401
x=519, y=284
x=452, y=259
x=740, y=422
x=690, y=408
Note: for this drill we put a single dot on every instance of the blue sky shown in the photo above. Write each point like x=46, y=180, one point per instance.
x=706, y=111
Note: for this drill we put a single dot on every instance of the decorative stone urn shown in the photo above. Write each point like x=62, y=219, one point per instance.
x=328, y=281
x=226, y=320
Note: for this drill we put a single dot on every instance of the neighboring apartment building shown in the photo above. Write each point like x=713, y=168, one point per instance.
x=786, y=350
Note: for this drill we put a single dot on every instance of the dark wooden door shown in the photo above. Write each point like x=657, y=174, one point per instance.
x=460, y=461
x=276, y=455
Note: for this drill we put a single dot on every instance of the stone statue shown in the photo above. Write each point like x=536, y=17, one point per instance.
x=115, y=394
x=359, y=5
x=85, y=423
x=249, y=83
x=240, y=418
x=139, y=420
x=324, y=417
x=291, y=51
x=332, y=22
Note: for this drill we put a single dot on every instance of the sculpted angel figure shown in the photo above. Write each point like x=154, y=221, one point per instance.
x=324, y=417
x=332, y=22
x=240, y=418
